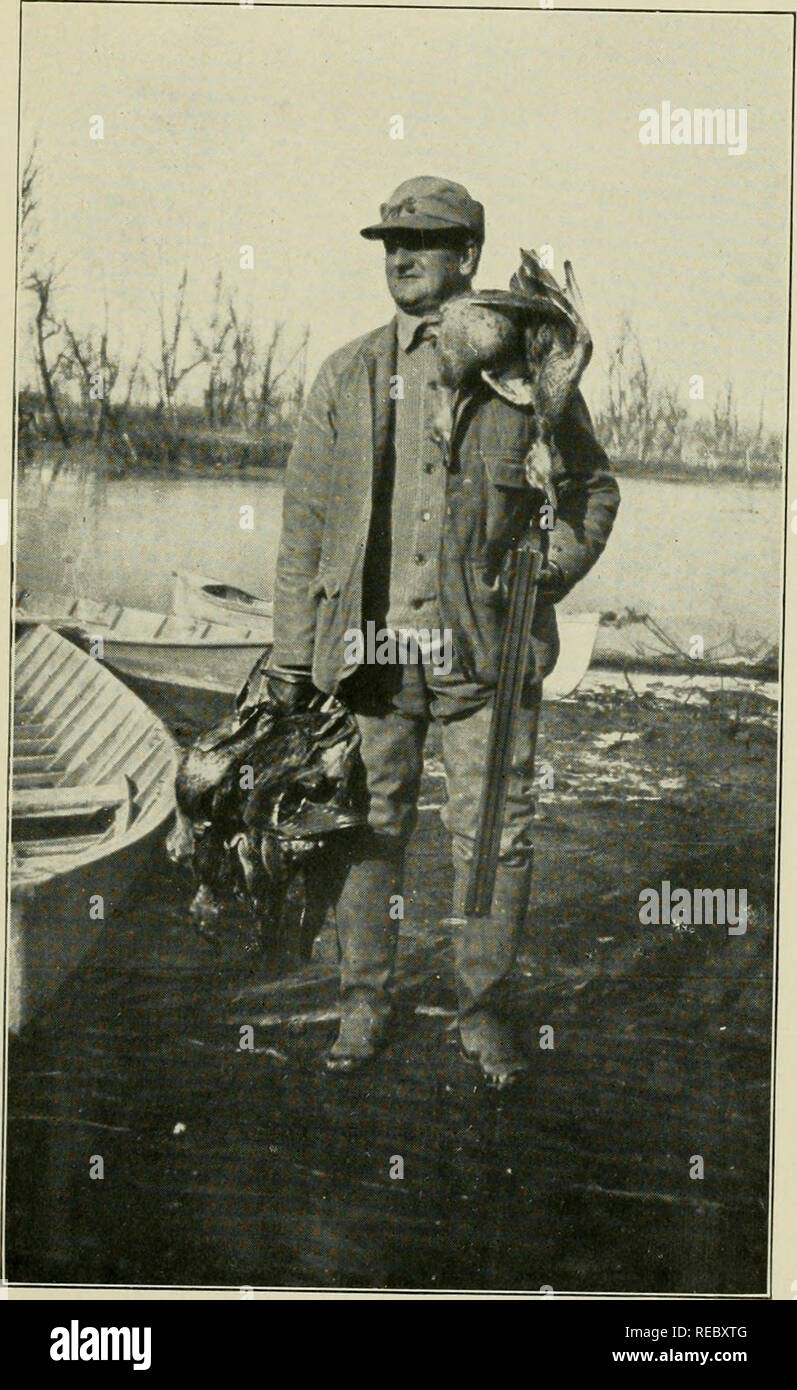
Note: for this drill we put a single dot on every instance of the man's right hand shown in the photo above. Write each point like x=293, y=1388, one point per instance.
x=289, y=691
x=285, y=690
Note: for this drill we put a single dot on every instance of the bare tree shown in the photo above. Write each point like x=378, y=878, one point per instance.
x=269, y=397
x=671, y=419
x=236, y=381
x=169, y=376
x=97, y=373
x=301, y=371
x=47, y=327
x=647, y=424
x=726, y=421
x=132, y=377
x=28, y=224
x=118, y=414
x=108, y=374
x=268, y=377
x=212, y=353
x=229, y=351
x=77, y=365
x=242, y=367
x=629, y=423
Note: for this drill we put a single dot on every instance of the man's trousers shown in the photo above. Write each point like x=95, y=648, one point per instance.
x=392, y=745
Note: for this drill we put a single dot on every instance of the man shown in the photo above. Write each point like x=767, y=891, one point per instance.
x=383, y=524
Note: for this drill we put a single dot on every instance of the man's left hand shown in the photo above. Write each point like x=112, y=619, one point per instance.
x=551, y=585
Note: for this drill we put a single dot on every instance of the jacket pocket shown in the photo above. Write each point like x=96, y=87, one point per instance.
x=482, y=625
x=485, y=589
x=505, y=467
x=480, y=609
x=326, y=583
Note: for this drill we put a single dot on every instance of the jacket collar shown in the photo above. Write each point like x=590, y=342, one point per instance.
x=408, y=327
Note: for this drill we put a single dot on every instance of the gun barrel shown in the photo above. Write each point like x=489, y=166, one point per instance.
x=512, y=673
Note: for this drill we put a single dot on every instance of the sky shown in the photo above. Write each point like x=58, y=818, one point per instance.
x=227, y=126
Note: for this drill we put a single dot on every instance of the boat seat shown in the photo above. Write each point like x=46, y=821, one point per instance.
x=30, y=857
x=33, y=746
x=36, y=762
x=45, y=778
x=57, y=803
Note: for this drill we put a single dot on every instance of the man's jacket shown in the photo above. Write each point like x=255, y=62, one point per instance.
x=334, y=474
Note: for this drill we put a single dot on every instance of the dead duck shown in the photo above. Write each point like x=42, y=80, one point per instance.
x=264, y=796
x=529, y=345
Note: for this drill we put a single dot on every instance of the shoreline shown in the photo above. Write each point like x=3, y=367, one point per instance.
x=274, y=473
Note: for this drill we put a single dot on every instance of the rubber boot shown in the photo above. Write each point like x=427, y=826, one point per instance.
x=367, y=936
x=485, y=950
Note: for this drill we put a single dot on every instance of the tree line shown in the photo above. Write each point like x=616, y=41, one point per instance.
x=253, y=389
x=645, y=426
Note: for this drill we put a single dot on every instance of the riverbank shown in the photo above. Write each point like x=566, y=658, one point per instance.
x=233, y=1168
x=250, y=460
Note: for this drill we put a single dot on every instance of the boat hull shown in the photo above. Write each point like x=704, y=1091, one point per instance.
x=196, y=596
x=193, y=652
x=92, y=792
x=174, y=650
x=222, y=670
x=51, y=929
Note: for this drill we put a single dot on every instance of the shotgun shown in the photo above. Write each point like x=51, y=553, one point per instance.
x=556, y=355
x=512, y=672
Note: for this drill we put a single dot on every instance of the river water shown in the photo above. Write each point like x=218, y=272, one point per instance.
x=701, y=558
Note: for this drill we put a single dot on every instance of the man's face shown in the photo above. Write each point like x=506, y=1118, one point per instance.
x=424, y=269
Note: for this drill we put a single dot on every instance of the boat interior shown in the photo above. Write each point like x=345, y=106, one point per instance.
x=118, y=623
x=88, y=757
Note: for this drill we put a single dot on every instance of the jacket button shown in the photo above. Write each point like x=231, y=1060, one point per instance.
x=426, y=516
x=428, y=468
x=417, y=603
x=419, y=559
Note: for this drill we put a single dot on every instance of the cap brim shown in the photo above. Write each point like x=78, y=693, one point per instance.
x=415, y=223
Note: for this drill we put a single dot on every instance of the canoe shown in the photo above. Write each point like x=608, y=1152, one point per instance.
x=180, y=652
x=92, y=787
x=162, y=649
x=196, y=596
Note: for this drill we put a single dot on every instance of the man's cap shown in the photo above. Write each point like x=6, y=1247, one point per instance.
x=428, y=204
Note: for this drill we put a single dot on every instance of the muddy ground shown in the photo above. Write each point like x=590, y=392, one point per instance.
x=236, y=1168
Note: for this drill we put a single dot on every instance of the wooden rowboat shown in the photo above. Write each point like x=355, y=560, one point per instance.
x=196, y=596
x=163, y=649
x=92, y=787
x=179, y=652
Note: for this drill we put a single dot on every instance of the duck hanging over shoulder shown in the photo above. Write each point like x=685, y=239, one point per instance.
x=529, y=344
